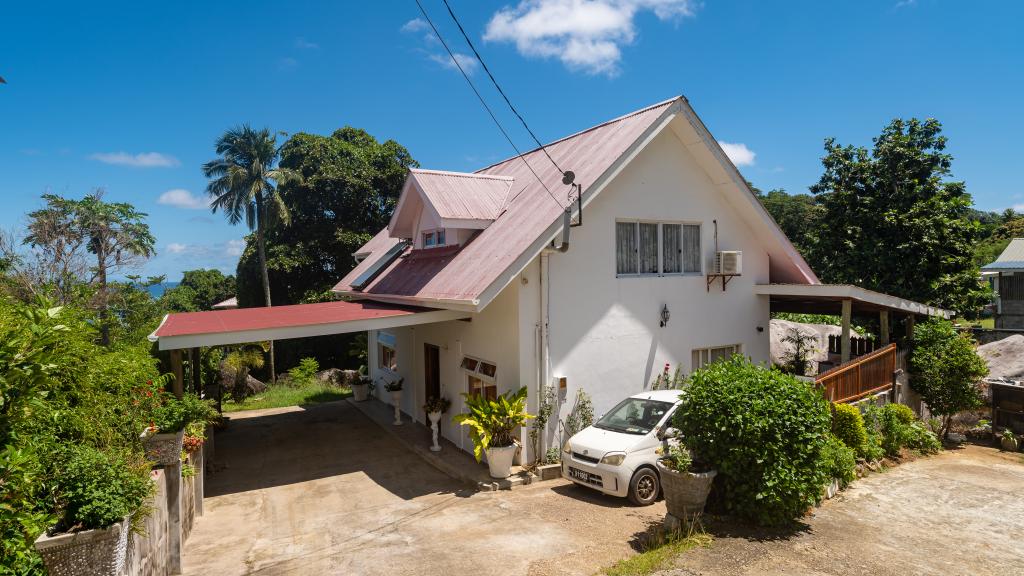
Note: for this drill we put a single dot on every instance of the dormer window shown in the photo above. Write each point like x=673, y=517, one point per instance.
x=433, y=238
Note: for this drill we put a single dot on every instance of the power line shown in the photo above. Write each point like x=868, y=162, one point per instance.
x=498, y=86
x=484, y=103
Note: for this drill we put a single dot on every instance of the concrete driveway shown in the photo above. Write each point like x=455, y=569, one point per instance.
x=322, y=490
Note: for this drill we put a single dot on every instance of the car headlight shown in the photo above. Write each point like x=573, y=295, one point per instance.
x=567, y=449
x=613, y=458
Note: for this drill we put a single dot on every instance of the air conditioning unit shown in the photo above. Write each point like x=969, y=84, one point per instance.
x=729, y=262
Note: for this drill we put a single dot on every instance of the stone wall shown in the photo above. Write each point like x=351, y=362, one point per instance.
x=177, y=501
x=986, y=336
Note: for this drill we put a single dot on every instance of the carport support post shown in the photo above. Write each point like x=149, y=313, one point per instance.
x=844, y=337
x=910, y=328
x=883, y=322
x=197, y=372
x=178, y=385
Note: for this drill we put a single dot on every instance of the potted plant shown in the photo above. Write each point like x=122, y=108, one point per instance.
x=101, y=493
x=395, y=388
x=163, y=439
x=361, y=386
x=1008, y=440
x=685, y=484
x=434, y=408
x=492, y=425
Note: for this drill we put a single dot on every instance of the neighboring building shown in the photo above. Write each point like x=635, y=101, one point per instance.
x=229, y=304
x=1007, y=276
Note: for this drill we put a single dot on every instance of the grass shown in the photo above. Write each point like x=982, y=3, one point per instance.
x=283, y=395
x=987, y=323
x=659, y=552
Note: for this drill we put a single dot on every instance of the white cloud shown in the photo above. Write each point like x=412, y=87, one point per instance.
x=415, y=25
x=467, y=62
x=287, y=63
x=234, y=248
x=1018, y=207
x=176, y=248
x=585, y=35
x=181, y=198
x=142, y=160
x=738, y=153
x=304, y=44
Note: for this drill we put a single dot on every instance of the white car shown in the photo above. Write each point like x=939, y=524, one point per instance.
x=617, y=454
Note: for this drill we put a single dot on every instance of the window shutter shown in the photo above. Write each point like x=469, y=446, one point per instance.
x=691, y=248
x=648, y=248
x=672, y=248
x=625, y=248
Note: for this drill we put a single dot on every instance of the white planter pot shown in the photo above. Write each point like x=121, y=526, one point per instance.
x=100, y=552
x=396, y=400
x=360, y=392
x=499, y=460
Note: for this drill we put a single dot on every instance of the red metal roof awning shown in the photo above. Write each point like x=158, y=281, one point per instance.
x=220, y=327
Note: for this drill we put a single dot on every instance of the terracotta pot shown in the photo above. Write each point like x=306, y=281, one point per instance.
x=685, y=492
x=100, y=552
x=164, y=449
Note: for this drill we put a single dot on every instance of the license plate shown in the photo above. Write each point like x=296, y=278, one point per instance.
x=579, y=474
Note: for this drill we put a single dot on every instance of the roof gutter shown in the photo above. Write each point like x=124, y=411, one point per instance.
x=566, y=225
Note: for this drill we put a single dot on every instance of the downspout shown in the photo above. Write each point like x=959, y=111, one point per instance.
x=545, y=309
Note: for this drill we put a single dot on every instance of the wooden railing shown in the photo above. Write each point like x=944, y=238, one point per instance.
x=860, y=377
x=859, y=345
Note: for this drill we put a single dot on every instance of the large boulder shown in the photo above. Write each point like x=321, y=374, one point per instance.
x=331, y=376
x=1005, y=358
x=227, y=383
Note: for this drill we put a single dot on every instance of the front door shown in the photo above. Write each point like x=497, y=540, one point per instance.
x=431, y=372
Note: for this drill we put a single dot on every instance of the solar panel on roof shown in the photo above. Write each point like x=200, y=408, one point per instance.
x=377, y=267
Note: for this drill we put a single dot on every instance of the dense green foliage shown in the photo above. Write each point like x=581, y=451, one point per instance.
x=848, y=426
x=98, y=488
x=198, y=290
x=840, y=460
x=304, y=373
x=894, y=427
x=764, y=431
x=799, y=216
x=493, y=422
x=945, y=369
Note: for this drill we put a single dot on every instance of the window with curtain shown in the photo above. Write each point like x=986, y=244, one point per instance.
x=625, y=248
x=648, y=248
x=704, y=356
x=691, y=248
x=671, y=248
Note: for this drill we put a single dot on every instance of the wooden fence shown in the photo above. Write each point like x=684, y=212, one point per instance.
x=860, y=377
x=859, y=346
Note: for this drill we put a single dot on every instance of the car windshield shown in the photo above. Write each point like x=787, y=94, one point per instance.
x=634, y=416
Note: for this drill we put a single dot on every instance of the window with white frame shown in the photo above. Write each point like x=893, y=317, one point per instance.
x=387, y=355
x=480, y=377
x=656, y=248
x=433, y=238
x=704, y=356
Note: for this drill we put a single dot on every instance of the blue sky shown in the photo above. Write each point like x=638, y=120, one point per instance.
x=129, y=96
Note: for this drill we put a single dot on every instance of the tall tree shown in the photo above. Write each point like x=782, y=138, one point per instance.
x=892, y=220
x=244, y=183
x=797, y=214
x=115, y=233
x=198, y=290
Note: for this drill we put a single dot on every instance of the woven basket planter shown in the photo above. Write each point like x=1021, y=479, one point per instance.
x=94, y=552
x=164, y=449
x=685, y=492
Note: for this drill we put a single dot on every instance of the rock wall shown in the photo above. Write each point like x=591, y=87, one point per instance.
x=1005, y=358
x=781, y=350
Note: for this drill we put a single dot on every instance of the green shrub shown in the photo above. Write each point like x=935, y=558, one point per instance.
x=173, y=414
x=901, y=413
x=920, y=438
x=98, y=488
x=304, y=373
x=945, y=369
x=848, y=426
x=894, y=426
x=840, y=460
x=764, y=432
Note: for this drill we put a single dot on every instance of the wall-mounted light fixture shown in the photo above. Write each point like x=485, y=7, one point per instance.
x=665, y=315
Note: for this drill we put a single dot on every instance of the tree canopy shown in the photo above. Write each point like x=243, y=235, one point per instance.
x=198, y=290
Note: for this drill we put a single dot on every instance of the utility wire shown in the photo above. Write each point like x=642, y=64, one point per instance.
x=498, y=86
x=484, y=103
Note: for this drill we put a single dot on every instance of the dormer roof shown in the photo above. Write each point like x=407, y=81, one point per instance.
x=455, y=199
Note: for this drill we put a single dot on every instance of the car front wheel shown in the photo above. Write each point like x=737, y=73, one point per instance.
x=644, y=487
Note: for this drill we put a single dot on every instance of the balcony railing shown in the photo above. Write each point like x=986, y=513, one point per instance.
x=860, y=377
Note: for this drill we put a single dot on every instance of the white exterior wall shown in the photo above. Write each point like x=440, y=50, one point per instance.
x=604, y=331
x=492, y=335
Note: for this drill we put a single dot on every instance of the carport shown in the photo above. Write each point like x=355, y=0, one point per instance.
x=186, y=332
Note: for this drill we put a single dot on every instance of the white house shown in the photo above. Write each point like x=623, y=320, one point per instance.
x=480, y=283
x=659, y=198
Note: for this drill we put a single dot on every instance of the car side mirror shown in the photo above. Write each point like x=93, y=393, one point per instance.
x=668, y=433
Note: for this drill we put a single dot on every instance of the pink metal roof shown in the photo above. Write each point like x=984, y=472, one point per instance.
x=463, y=196
x=244, y=319
x=463, y=275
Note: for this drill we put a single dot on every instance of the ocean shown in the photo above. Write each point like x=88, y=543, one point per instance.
x=157, y=290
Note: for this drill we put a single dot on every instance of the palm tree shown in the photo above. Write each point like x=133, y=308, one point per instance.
x=244, y=183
